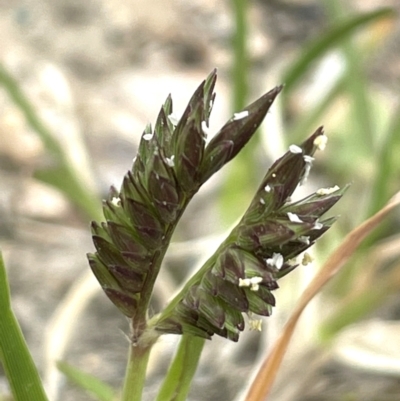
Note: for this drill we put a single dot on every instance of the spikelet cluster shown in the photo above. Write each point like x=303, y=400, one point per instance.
x=260, y=250
x=172, y=163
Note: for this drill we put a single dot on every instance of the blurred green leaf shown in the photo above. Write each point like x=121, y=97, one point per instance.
x=350, y=312
x=18, y=97
x=387, y=172
x=328, y=41
x=240, y=70
x=95, y=387
x=312, y=118
x=15, y=357
x=64, y=177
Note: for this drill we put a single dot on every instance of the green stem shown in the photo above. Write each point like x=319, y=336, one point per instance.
x=177, y=383
x=135, y=374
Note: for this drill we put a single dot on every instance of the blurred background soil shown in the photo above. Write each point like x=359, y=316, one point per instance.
x=97, y=72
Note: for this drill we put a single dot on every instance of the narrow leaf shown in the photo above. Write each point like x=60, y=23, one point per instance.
x=15, y=357
x=328, y=41
x=180, y=374
x=94, y=386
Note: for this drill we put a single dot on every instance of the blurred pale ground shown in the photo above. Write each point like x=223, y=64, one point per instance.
x=98, y=71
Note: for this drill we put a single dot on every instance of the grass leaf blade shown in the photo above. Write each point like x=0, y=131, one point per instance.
x=177, y=382
x=15, y=357
x=331, y=39
x=95, y=387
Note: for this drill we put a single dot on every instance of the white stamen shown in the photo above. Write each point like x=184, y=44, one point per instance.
x=252, y=282
x=205, y=129
x=327, y=191
x=295, y=149
x=173, y=119
x=262, y=201
x=170, y=161
x=255, y=324
x=239, y=116
x=275, y=261
x=147, y=137
x=304, y=239
x=321, y=141
x=116, y=201
x=307, y=259
x=294, y=218
x=318, y=226
x=244, y=282
x=267, y=188
x=273, y=175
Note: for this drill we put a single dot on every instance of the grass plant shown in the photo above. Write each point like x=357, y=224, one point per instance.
x=133, y=230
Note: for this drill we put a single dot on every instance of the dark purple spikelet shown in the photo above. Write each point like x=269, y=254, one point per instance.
x=235, y=134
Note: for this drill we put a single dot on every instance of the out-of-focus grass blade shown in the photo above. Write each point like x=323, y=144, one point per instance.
x=242, y=167
x=310, y=119
x=15, y=357
x=353, y=310
x=240, y=69
x=387, y=164
x=17, y=96
x=357, y=87
x=381, y=279
x=328, y=41
x=64, y=177
x=177, y=383
x=262, y=384
x=95, y=387
x=356, y=81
